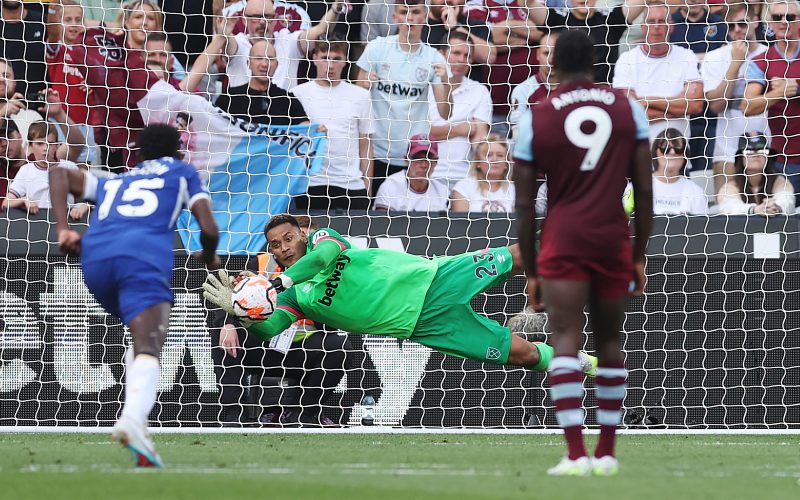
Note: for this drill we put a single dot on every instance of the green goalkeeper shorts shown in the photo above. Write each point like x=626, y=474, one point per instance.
x=448, y=323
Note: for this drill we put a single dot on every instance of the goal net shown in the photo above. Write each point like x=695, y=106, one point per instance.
x=713, y=344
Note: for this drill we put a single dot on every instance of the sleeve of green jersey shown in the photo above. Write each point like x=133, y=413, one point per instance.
x=286, y=312
x=325, y=234
x=324, y=246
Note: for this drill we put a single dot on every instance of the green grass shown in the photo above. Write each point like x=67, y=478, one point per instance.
x=386, y=467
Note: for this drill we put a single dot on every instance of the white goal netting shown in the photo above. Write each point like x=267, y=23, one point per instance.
x=315, y=108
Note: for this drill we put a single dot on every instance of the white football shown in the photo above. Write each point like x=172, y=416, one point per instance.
x=254, y=298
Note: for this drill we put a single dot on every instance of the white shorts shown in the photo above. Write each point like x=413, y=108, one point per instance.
x=731, y=126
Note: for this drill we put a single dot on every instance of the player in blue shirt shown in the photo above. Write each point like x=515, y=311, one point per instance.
x=127, y=261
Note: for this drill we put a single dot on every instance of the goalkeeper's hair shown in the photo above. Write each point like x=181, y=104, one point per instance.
x=300, y=222
x=307, y=223
x=157, y=141
x=573, y=53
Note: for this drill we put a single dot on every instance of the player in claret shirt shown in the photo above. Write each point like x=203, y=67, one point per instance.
x=588, y=139
x=127, y=261
x=385, y=292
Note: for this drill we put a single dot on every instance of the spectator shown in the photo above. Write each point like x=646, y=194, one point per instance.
x=117, y=79
x=445, y=16
x=470, y=116
x=755, y=187
x=31, y=186
x=22, y=43
x=723, y=72
x=158, y=51
x=537, y=87
x=63, y=79
x=68, y=84
x=71, y=136
x=12, y=157
x=488, y=188
x=159, y=70
x=399, y=70
x=772, y=86
x=697, y=29
x=138, y=19
x=142, y=20
x=514, y=37
x=673, y=192
x=289, y=16
x=65, y=21
x=758, y=9
x=261, y=100
x=260, y=22
x=377, y=20
x=314, y=358
x=605, y=27
x=661, y=76
x=11, y=101
x=344, y=110
x=414, y=190
x=13, y=105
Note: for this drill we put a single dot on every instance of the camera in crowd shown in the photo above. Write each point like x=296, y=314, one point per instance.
x=36, y=101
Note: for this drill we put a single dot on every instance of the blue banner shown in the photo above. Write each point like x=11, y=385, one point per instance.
x=266, y=168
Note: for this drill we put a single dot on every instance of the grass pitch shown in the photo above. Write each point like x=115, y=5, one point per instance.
x=393, y=466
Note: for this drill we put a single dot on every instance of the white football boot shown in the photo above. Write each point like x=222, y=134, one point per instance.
x=605, y=466
x=566, y=467
x=134, y=436
x=588, y=363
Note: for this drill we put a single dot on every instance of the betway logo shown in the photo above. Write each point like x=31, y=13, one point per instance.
x=333, y=282
x=397, y=89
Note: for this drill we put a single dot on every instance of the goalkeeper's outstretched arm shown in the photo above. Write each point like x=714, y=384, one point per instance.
x=311, y=263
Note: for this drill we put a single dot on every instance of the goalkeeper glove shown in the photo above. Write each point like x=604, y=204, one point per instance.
x=218, y=290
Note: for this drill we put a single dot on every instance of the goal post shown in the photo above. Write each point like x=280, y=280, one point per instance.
x=708, y=347
x=712, y=346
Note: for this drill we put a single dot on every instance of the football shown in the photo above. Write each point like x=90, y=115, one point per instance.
x=254, y=298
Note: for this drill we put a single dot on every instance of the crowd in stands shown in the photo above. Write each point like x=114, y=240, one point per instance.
x=419, y=101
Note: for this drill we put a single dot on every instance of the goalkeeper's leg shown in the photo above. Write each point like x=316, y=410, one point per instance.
x=148, y=329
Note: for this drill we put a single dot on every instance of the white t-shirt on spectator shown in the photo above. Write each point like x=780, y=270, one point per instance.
x=682, y=197
x=289, y=55
x=501, y=200
x=33, y=182
x=344, y=109
x=658, y=77
x=732, y=124
x=400, y=96
x=730, y=200
x=471, y=101
x=396, y=194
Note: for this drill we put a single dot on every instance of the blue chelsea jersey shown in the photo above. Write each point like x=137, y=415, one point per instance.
x=136, y=212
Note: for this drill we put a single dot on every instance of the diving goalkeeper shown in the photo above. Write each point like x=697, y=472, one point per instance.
x=385, y=292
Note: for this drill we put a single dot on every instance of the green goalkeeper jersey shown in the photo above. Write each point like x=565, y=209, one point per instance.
x=355, y=290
